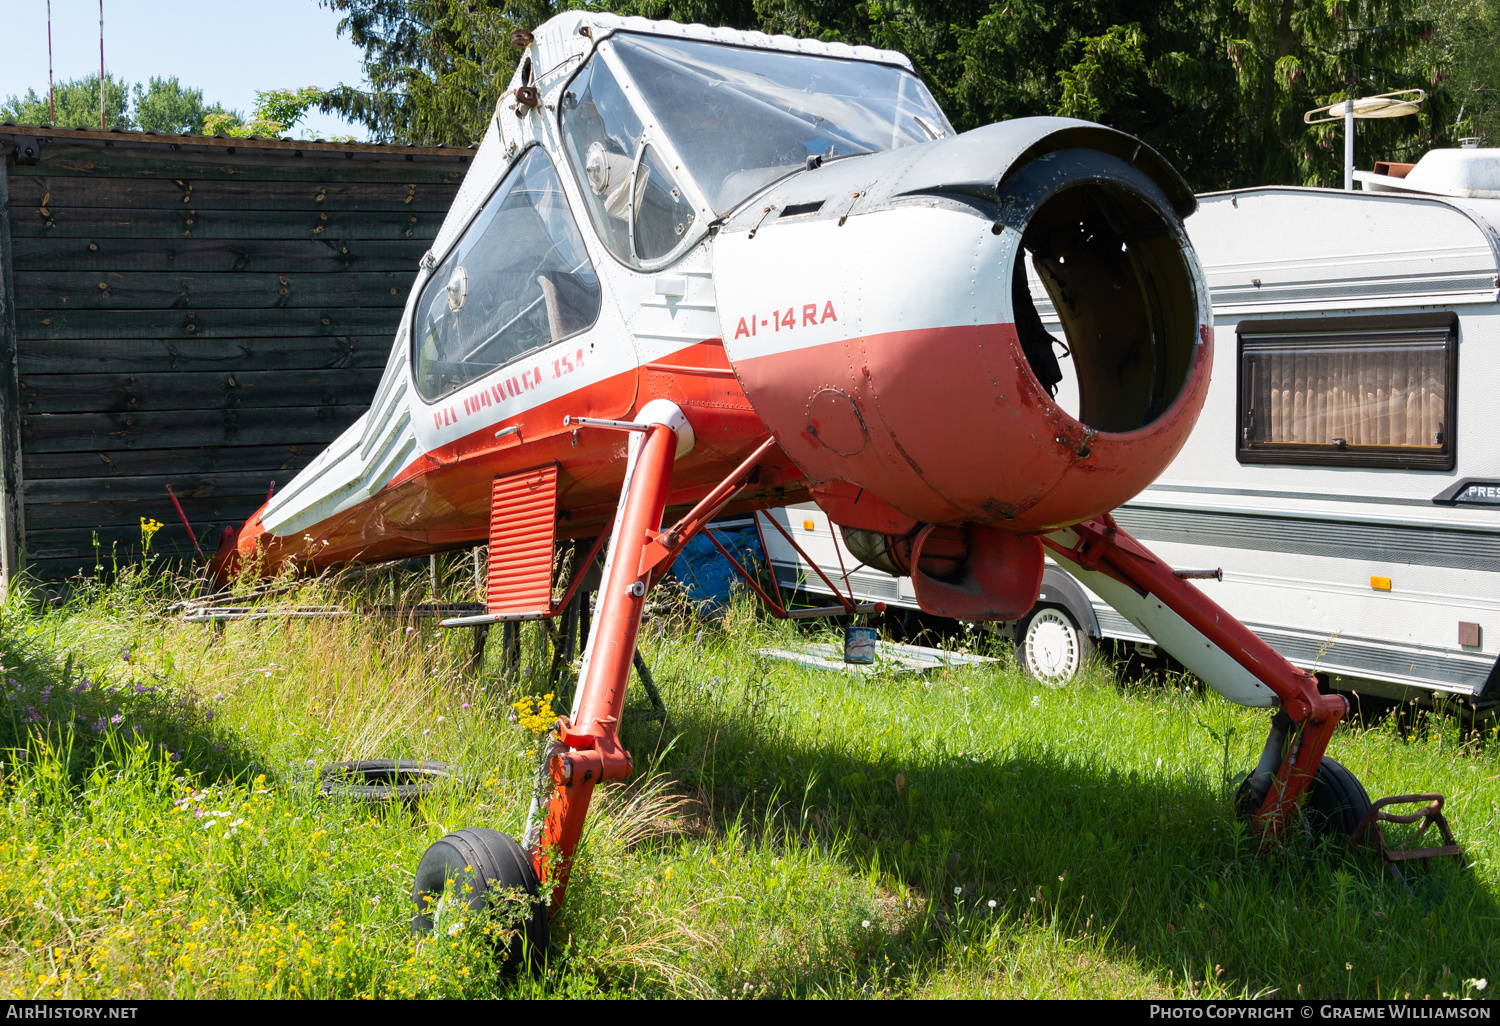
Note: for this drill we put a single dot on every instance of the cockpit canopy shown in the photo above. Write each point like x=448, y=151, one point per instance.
x=664, y=134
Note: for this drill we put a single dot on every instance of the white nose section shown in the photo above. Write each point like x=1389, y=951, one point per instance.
x=662, y=411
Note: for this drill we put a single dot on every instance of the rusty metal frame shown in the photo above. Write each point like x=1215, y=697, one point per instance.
x=1428, y=815
x=776, y=606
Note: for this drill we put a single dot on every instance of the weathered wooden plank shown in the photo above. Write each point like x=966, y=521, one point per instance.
x=134, y=290
x=77, y=543
x=12, y=517
x=107, y=513
x=104, y=356
x=273, y=256
x=275, y=462
x=196, y=390
x=41, y=192
x=60, y=574
x=151, y=487
x=107, y=432
x=103, y=222
x=132, y=324
x=141, y=163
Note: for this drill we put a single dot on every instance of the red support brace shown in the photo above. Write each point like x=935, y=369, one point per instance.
x=1101, y=547
x=591, y=750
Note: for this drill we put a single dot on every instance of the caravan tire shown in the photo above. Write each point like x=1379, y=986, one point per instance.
x=1051, y=647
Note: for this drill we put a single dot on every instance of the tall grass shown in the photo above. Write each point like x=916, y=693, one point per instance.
x=790, y=832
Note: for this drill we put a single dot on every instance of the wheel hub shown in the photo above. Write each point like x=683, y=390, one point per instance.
x=1051, y=647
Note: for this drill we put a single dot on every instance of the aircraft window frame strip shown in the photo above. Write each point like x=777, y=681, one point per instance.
x=652, y=134
x=427, y=273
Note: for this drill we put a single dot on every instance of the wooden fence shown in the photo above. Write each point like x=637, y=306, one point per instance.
x=204, y=313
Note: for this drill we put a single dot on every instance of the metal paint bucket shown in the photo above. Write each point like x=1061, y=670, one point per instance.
x=859, y=644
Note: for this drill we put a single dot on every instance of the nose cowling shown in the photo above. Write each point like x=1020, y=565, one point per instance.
x=873, y=312
x=876, y=313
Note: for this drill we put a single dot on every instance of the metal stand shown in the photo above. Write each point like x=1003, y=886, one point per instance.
x=1215, y=646
x=1427, y=816
x=589, y=747
x=644, y=672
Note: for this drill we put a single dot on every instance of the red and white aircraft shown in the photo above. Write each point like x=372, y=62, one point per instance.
x=706, y=271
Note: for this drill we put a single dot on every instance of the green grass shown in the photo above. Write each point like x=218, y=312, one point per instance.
x=789, y=832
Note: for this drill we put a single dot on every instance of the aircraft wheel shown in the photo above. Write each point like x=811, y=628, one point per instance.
x=1335, y=802
x=1050, y=646
x=478, y=868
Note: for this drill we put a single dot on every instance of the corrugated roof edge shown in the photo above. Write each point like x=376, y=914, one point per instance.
x=204, y=143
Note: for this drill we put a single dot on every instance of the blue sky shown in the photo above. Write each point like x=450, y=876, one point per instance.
x=227, y=48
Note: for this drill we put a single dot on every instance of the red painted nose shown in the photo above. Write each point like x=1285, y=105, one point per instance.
x=936, y=394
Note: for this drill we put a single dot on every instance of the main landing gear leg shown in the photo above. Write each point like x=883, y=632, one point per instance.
x=1226, y=654
x=587, y=750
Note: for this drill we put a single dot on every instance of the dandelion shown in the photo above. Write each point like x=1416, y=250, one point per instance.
x=991, y=903
x=958, y=892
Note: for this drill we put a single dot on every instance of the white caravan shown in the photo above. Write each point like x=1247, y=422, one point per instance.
x=1341, y=491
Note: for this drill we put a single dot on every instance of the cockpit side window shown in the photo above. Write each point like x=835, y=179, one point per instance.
x=519, y=279
x=635, y=200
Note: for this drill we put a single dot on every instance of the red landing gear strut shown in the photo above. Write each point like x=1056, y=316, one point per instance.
x=587, y=750
x=1217, y=648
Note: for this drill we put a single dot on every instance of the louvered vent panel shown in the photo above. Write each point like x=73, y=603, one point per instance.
x=523, y=529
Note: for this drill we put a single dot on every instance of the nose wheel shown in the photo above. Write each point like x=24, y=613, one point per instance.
x=477, y=870
x=1051, y=647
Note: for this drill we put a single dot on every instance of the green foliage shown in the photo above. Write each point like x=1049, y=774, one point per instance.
x=1462, y=57
x=77, y=102
x=1218, y=86
x=165, y=106
x=790, y=833
x=285, y=106
x=436, y=66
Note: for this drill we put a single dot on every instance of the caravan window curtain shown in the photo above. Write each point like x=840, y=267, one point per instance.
x=1376, y=392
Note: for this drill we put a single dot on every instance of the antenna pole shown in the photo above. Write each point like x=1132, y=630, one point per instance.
x=1348, y=143
x=51, y=97
x=101, y=65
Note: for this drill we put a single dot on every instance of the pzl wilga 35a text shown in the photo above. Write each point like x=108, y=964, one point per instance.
x=703, y=271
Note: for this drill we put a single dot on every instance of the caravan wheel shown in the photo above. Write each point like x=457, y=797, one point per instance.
x=1051, y=647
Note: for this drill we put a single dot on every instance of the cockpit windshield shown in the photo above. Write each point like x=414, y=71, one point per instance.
x=735, y=119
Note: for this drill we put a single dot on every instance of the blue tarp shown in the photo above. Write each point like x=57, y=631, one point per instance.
x=706, y=576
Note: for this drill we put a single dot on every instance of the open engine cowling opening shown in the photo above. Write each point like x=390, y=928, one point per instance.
x=1110, y=252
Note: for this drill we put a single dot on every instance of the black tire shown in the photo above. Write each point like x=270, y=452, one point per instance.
x=492, y=870
x=1049, y=639
x=1336, y=801
x=383, y=780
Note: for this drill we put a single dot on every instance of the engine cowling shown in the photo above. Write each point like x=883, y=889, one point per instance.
x=876, y=313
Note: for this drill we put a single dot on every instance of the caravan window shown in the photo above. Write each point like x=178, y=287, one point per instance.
x=1377, y=392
